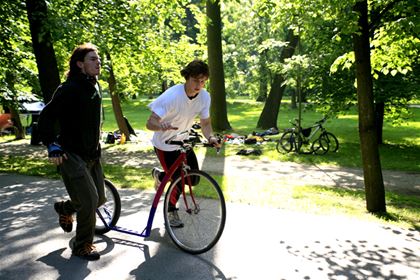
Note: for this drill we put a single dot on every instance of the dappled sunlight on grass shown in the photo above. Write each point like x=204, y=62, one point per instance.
x=318, y=200
x=349, y=117
x=29, y=166
x=129, y=177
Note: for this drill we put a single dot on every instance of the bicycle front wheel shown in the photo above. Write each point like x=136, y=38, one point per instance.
x=200, y=208
x=107, y=215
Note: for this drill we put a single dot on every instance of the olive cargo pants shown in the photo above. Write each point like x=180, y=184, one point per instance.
x=84, y=182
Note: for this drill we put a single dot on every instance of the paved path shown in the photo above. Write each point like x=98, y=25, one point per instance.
x=258, y=243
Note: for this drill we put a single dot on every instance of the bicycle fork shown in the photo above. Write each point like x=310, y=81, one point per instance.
x=196, y=208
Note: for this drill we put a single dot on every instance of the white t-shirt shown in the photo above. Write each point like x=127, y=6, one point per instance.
x=175, y=107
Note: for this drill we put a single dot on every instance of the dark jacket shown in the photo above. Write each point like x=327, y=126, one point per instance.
x=73, y=117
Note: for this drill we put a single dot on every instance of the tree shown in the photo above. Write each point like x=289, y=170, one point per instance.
x=374, y=186
x=43, y=47
x=394, y=59
x=268, y=117
x=395, y=56
x=116, y=103
x=218, y=108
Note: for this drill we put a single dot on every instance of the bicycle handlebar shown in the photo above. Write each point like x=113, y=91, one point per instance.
x=320, y=122
x=193, y=139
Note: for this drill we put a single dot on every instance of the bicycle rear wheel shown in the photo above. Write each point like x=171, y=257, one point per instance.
x=107, y=215
x=202, y=210
x=331, y=140
x=286, y=142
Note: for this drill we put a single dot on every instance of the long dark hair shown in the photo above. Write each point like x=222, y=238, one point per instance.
x=79, y=54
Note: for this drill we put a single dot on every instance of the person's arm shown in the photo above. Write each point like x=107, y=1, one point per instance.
x=155, y=123
x=207, y=130
x=47, y=128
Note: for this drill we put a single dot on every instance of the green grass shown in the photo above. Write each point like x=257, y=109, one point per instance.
x=400, y=152
x=401, y=143
x=28, y=165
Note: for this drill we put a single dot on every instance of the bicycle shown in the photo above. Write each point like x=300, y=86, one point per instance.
x=201, y=205
x=294, y=138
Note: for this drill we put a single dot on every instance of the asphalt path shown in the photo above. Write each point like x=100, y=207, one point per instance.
x=258, y=243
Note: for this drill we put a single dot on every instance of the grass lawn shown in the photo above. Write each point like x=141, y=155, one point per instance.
x=400, y=152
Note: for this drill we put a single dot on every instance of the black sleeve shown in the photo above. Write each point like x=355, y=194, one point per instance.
x=49, y=118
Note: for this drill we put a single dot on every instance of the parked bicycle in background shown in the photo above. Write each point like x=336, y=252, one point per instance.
x=314, y=139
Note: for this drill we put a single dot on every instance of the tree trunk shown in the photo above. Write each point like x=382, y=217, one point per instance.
x=268, y=117
x=20, y=130
x=218, y=109
x=374, y=185
x=379, y=120
x=116, y=103
x=49, y=77
x=263, y=82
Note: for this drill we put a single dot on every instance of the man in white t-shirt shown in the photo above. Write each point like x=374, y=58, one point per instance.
x=174, y=111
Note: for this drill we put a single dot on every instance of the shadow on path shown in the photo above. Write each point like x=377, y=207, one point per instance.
x=258, y=243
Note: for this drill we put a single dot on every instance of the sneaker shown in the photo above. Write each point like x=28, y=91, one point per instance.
x=88, y=252
x=65, y=221
x=155, y=174
x=174, y=220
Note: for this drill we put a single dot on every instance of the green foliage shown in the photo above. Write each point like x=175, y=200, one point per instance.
x=394, y=54
x=18, y=75
x=145, y=39
x=150, y=40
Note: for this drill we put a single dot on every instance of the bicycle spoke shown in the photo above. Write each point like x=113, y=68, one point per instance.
x=109, y=212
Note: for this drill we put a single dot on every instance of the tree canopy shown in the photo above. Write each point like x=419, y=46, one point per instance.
x=148, y=42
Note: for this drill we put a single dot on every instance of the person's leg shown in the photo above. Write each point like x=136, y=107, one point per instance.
x=83, y=198
x=167, y=159
x=192, y=160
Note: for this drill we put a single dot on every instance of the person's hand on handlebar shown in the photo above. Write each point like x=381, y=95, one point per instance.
x=215, y=141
